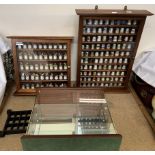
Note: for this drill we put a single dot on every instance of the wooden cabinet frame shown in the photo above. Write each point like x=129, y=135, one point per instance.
x=41, y=40
x=115, y=15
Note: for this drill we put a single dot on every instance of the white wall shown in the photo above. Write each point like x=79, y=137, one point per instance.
x=61, y=20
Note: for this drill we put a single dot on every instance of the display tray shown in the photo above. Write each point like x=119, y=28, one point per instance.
x=17, y=122
x=71, y=119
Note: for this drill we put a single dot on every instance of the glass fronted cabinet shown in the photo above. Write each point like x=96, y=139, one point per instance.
x=108, y=42
x=41, y=62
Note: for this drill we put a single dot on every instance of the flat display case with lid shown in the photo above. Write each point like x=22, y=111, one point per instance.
x=78, y=120
x=73, y=119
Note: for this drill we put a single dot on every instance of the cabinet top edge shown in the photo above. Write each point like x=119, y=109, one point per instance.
x=42, y=37
x=110, y=12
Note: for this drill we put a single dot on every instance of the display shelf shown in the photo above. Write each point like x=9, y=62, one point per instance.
x=101, y=70
x=101, y=50
x=108, y=42
x=43, y=50
x=111, y=26
x=37, y=60
x=107, y=34
x=103, y=63
x=102, y=82
x=44, y=71
x=102, y=76
x=94, y=57
x=43, y=60
x=41, y=81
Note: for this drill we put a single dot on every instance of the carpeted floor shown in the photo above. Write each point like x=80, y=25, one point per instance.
x=127, y=117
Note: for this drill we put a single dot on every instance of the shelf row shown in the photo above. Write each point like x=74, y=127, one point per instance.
x=107, y=69
x=99, y=61
x=93, y=85
x=112, y=26
x=92, y=66
x=43, y=71
x=112, y=72
x=110, y=30
x=103, y=73
x=30, y=45
x=102, y=79
x=99, y=82
x=29, y=86
x=42, y=76
x=114, y=46
x=108, y=34
x=42, y=81
x=100, y=54
x=104, y=50
x=103, y=67
x=100, y=76
x=41, y=66
x=109, y=22
x=106, y=79
x=42, y=56
x=108, y=39
x=43, y=61
x=42, y=50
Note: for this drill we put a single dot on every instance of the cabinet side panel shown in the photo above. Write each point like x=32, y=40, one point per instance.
x=139, y=33
x=16, y=67
x=69, y=63
x=79, y=50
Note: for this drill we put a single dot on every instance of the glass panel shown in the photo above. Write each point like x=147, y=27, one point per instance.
x=42, y=64
x=106, y=44
x=85, y=117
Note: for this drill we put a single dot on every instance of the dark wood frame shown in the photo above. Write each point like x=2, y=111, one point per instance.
x=30, y=142
x=139, y=15
x=143, y=108
x=44, y=93
x=39, y=39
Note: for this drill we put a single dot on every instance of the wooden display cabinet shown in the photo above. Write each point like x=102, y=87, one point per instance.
x=107, y=45
x=41, y=62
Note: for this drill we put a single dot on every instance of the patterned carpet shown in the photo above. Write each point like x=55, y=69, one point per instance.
x=127, y=117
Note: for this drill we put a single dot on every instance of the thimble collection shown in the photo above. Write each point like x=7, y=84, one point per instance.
x=105, y=46
x=106, y=49
x=42, y=64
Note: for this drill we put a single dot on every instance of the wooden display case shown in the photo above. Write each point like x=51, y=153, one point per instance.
x=107, y=45
x=79, y=120
x=41, y=62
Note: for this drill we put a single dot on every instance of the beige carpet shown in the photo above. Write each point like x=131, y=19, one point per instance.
x=128, y=119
